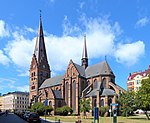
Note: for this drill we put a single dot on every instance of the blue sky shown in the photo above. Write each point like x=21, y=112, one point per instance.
x=118, y=29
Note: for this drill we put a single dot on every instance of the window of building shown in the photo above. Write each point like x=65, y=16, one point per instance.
x=59, y=103
x=33, y=87
x=46, y=93
x=74, y=95
x=138, y=82
x=103, y=85
x=95, y=84
x=102, y=102
x=66, y=92
x=109, y=101
x=50, y=103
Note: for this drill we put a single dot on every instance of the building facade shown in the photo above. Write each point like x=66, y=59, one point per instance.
x=134, y=79
x=96, y=82
x=1, y=103
x=15, y=101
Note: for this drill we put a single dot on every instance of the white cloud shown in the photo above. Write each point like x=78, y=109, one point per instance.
x=24, y=88
x=3, y=58
x=142, y=22
x=3, y=29
x=20, y=50
x=101, y=41
x=129, y=54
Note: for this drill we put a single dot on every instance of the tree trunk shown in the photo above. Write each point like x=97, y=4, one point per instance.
x=147, y=115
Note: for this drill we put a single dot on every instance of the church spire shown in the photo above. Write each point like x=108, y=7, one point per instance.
x=39, y=68
x=84, y=55
x=40, y=50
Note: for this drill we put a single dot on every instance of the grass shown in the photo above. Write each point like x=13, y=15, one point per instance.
x=120, y=119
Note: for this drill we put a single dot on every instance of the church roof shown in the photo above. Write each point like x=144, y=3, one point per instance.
x=105, y=92
x=57, y=94
x=108, y=92
x=52, y=81
x=80, y=69
x=101, y=68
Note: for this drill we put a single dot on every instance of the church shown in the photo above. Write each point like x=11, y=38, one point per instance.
x=96, y=82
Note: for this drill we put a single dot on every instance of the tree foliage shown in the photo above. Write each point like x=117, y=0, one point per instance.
x=40, y=108
x=64, y=110
x=103, y=110
x=85, y=105
x=127, y=103
x=143, y=96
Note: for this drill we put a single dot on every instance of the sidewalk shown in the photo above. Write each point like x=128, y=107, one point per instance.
x=55, y=121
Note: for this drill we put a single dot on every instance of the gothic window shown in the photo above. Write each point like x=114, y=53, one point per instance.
x=46, y=93
x=34, y=73
x=50, y=103
x=59, y=103
x=109, y=101
x=95, y=84
x=103, y=85
x=74, y=95
x=33, y=87
x=66, y=92
x=102, y=102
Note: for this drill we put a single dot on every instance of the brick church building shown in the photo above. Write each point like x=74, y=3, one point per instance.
x=96, y=82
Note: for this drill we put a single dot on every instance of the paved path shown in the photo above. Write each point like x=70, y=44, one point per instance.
x=11, y=118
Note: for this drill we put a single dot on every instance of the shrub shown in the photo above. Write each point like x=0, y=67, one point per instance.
x=103, y=110
x=64, y=110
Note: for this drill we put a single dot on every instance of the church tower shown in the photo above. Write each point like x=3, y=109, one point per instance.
x=39, y=68
x=84, y=59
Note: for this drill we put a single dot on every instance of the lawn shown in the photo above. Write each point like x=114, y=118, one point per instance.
x=131, y=119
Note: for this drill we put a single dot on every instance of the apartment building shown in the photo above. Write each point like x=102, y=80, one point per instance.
x=134, y=79
x=1, y=101
x=15, y=101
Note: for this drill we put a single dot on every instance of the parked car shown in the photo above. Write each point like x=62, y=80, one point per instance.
x=34, y=118
x=26, y=115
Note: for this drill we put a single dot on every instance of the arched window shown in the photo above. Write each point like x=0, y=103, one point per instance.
x=109, y=101
x=59, y=103
x=50, y=103
x=66, y=92
x=103, y=85
x=74, y=95
x=46, y=93
x=102, y=102
x=95, y=84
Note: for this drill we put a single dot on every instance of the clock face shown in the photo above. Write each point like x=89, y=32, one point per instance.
x=33, y=66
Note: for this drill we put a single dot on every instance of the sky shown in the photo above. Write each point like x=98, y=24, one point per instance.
x=117, y=29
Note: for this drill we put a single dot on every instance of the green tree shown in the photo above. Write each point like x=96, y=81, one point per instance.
x=85, y=106
x=48, y=109
x=143, y=96
x=127, y=103
x=103, y=110
x=64, y=110
x=40, y=108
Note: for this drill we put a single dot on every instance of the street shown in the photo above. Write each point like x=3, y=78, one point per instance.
x=12, y=118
